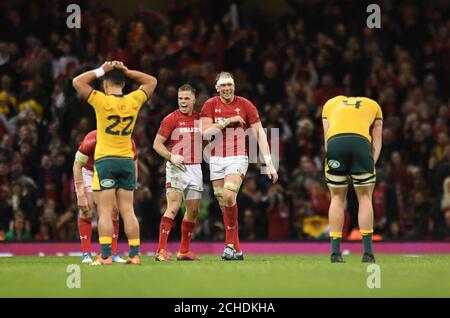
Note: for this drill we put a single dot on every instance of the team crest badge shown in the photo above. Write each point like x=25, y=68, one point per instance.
x=108, y=183
x=333, y=164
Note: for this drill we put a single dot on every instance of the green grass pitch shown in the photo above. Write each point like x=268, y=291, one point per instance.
x=257, y=276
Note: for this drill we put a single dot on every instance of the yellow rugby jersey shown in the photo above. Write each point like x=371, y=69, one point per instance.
x=116, y=118
x=351, y=115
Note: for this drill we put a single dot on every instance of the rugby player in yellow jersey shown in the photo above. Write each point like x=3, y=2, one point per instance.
x=114, y=169
x=353, y=131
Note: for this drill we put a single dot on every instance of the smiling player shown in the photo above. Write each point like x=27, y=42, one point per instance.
x=184, y=178
x=226, y=118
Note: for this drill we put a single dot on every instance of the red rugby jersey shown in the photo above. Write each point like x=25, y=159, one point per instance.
x=234, y=141
x=183, y=135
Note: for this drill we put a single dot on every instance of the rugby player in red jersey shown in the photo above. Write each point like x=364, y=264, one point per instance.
x=227, y=118
x=184, y=178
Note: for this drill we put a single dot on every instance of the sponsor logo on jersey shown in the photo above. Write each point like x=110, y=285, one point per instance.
x=357, y=104
x=189, y=130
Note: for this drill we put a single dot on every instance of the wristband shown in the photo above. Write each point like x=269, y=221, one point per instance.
x=268, y=160
x=99, y=72
x=225, y=123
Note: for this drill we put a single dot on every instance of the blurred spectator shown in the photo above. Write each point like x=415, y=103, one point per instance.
x=278, y=214
x=65, y=225
x=8, y=101
x=45, y=233
x=420, y=223
x=49, y=181
x=319, y=198
x=394, y=232
x=446, y=226
x=271, y=85
x=445, y=202
x=19, y=229
x=326, y=91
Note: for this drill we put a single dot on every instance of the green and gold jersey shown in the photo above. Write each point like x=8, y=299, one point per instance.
x=116, y=118
x=351, y=115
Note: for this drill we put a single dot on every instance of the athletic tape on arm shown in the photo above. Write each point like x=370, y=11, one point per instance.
x=82, y=158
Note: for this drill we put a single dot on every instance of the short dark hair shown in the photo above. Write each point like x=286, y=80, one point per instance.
x=187, y=87
x=116, y=77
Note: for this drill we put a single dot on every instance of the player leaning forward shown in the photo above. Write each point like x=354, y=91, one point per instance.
x=353, y=131
x=114, y=169
x=226, y=119
x=83, y=173
x=184, y=179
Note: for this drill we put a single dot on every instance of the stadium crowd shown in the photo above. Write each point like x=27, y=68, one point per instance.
x=288, y=67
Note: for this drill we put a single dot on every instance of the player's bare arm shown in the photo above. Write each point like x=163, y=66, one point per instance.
x=326, y=125
x=81, y=83
x=148, y=83
x=265, y=149
x=78, y=164
x=161, y=149
x=377, y=133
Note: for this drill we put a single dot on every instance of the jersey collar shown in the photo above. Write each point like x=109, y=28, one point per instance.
x=227, y=104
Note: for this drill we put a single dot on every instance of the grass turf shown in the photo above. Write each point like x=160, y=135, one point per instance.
x=257, y=276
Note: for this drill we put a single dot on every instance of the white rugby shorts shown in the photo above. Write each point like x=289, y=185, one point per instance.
x=188, y=180
x=222, y=166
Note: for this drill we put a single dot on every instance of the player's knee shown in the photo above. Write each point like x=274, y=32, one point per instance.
x=130, y=220
x=220, y=201
x=172, y=211
x=85, y=214
x=338, y=199
x=192, y=214
x=363, y=194
x=105, y=217
x=218, y=193
x=230, y=193
x=365, y=200
x=229, y=198
x=171, y=214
